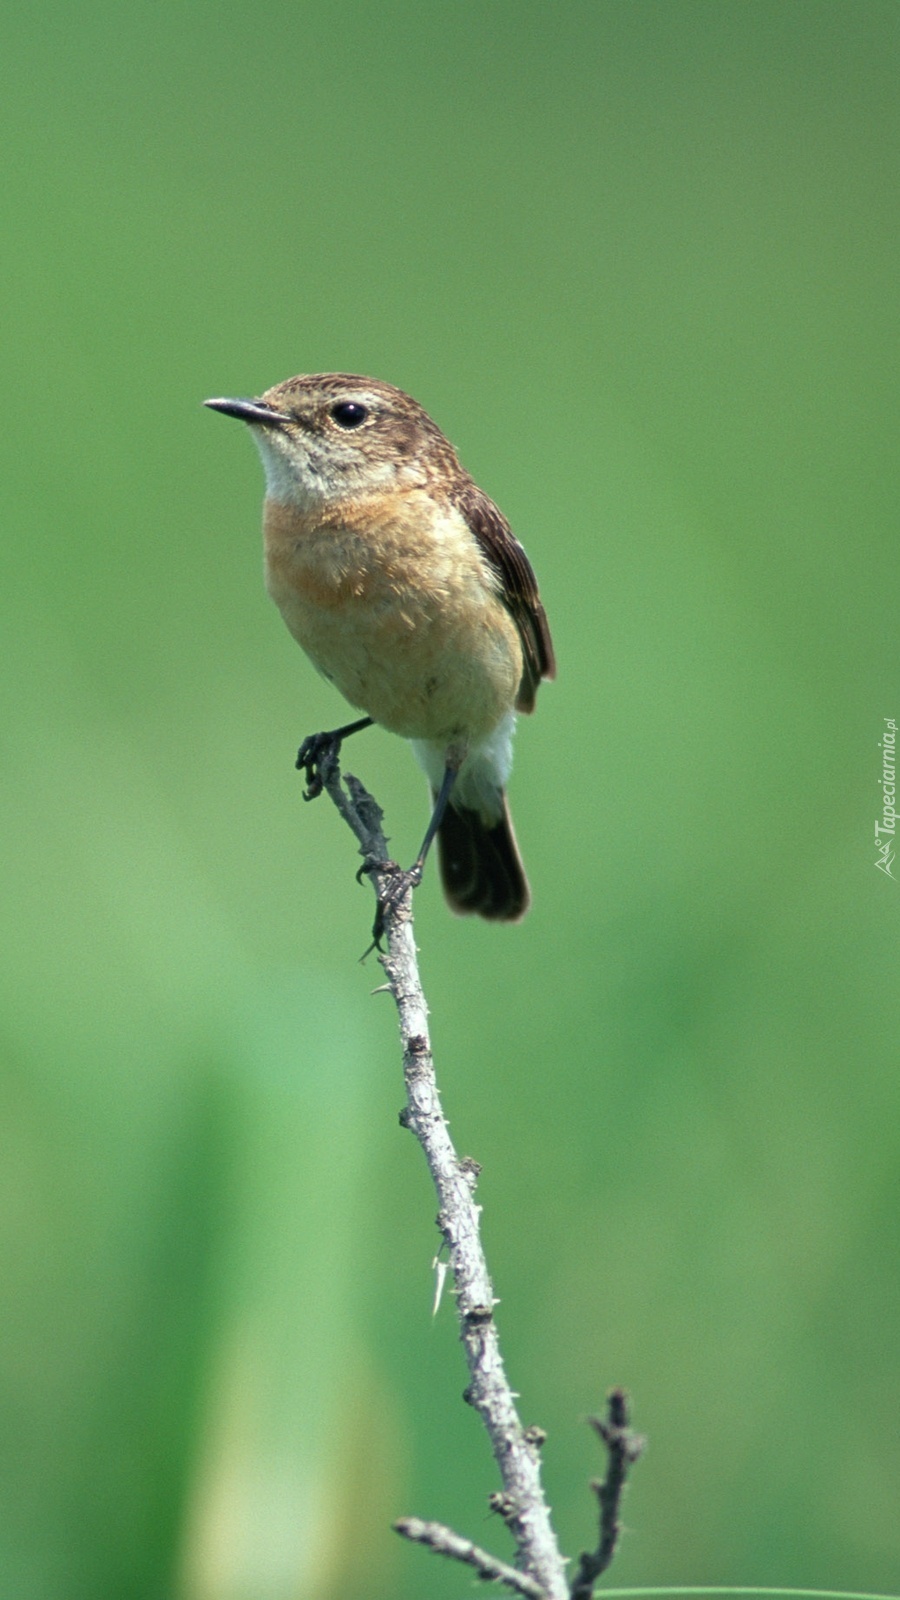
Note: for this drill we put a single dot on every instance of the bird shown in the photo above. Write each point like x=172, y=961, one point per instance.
x=405, y=586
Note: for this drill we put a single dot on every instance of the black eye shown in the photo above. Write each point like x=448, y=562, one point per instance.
x=349, y=413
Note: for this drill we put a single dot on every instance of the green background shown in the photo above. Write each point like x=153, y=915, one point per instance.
x=639, y=260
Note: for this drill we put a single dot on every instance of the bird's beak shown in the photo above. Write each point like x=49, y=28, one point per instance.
x=253, y=411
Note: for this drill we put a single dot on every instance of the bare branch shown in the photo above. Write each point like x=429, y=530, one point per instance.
x=516, y=1450
x=447, y=1543
x=623, y=1449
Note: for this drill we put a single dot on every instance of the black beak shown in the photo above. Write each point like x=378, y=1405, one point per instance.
x=254, y=411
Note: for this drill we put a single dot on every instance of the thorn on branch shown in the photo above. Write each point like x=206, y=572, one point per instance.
x=447, y=1543
x=623, y=1448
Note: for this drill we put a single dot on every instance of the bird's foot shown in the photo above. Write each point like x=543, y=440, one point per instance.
x=315, y=757
x=318, y=755
x=401, y=882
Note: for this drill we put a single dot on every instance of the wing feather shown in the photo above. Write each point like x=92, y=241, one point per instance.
x=518, y=586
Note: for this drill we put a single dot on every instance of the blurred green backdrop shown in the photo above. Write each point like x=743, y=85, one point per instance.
x=640, y=262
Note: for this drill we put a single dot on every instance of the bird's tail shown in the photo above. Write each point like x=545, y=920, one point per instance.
x=481, y=869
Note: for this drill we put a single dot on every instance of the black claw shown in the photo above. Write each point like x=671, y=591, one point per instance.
x=377, y=932
x=369, y=866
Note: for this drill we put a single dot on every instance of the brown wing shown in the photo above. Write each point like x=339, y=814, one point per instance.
x=518, y=586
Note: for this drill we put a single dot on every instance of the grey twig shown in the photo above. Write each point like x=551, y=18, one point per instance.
x=447, y=1543
x=516, y=1449
x=623, y=1448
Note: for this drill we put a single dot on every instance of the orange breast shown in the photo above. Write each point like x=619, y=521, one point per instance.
x=393, y=602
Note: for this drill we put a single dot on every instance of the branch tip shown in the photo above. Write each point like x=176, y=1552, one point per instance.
x=623, y=1448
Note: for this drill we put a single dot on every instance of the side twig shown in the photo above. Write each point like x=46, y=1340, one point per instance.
x=623, y=1448
x=447, y=1543
x=541, y=1570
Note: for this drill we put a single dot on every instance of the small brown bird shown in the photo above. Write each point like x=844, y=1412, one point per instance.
x=406, y=588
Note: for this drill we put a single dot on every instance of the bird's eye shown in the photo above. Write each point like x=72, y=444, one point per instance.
x=349, y=413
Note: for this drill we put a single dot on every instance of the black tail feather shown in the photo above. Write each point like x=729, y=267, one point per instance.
x=481, y=869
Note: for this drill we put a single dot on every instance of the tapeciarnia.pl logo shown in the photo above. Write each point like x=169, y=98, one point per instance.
x=888, y=781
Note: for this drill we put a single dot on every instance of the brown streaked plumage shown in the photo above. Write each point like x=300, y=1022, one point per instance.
x=404, y=584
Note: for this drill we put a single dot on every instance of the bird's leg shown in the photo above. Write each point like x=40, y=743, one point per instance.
x=319, y=747
x=402, y=881
x=437, y=817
